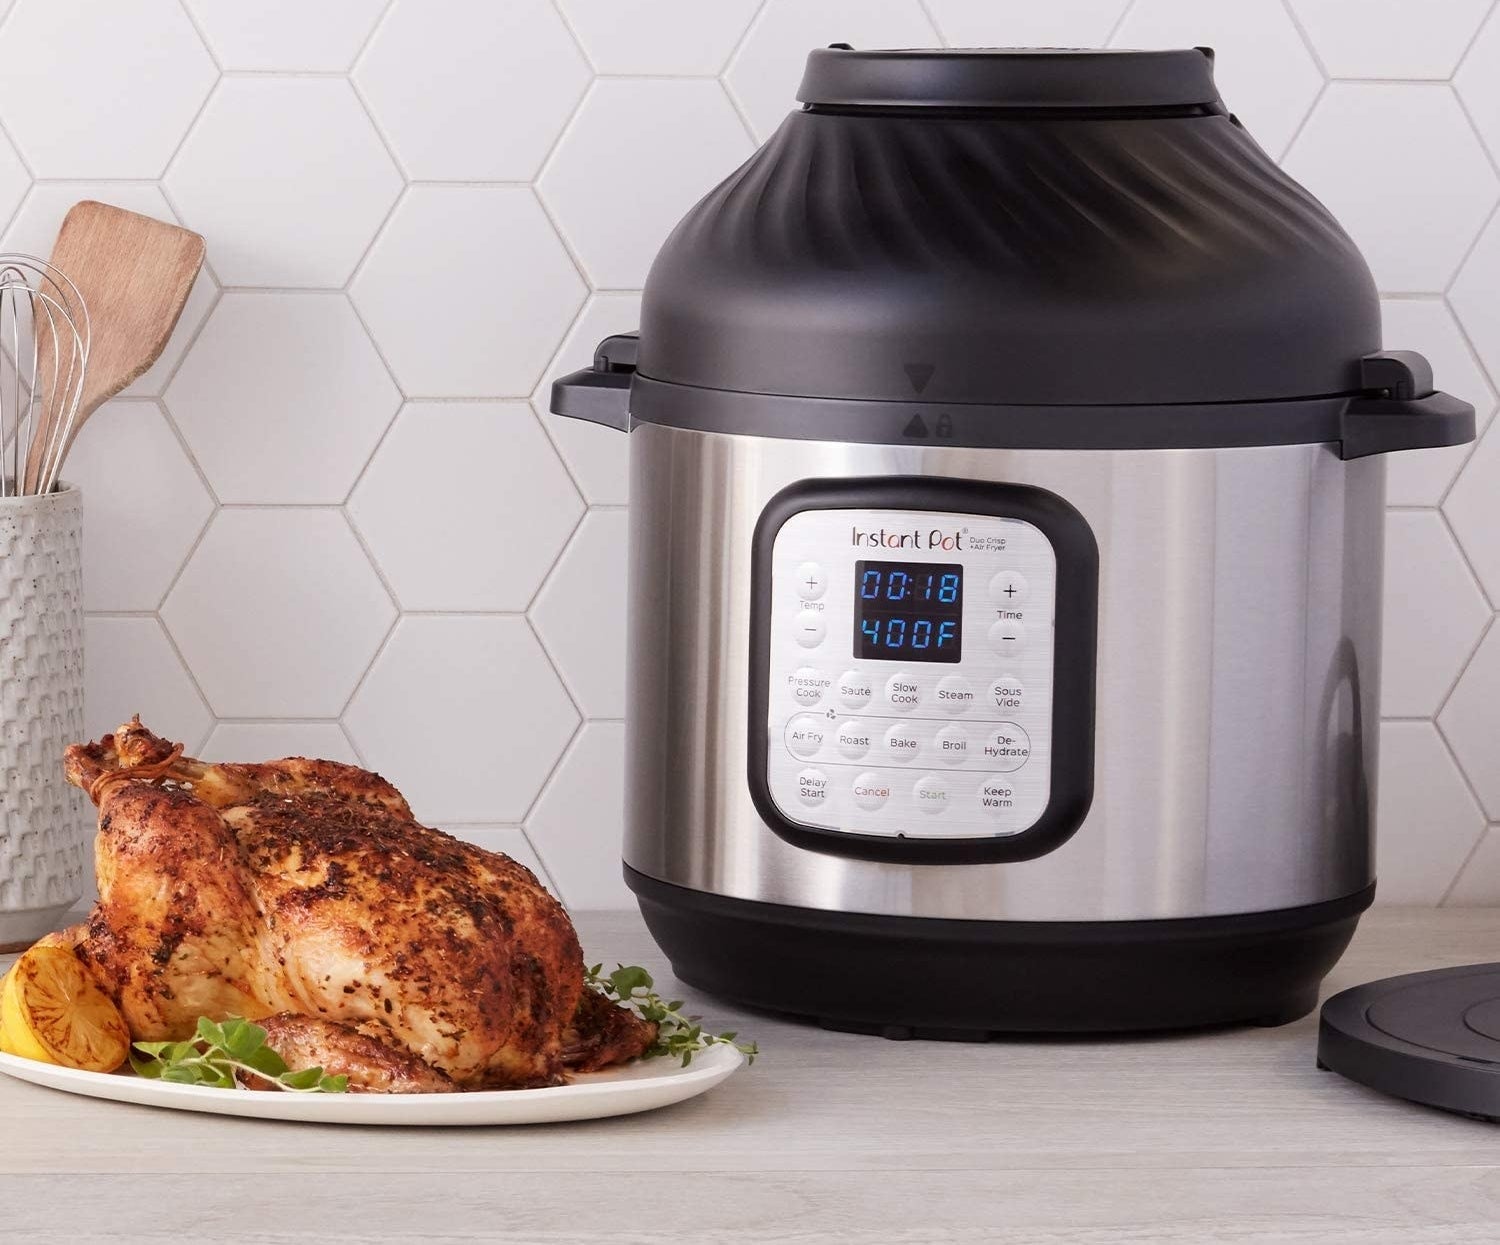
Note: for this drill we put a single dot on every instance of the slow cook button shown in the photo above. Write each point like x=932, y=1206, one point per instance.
x=871, y=791
x=1006, y=692
x=932, y=794
x=808, y=686
x=901, y=691
x=901, y=743
x=804, y=735
x=812, y=581
x=952, y=745
x=855, y=689
x=853, y=739
x=1007, y=637
x=809, y=628
x=1007, y=747
x=955, y=693
x=812, y=787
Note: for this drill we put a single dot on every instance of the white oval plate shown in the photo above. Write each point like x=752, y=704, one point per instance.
x=641, y=1086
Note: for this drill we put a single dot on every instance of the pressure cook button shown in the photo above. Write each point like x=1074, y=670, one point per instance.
x=901, y=691
x=901, y=743
x=804, y=735
x=853, y=739
x=810, y=629
x=808, y=686
x=1007, y=747
x=1007, y=637
x=812, y=581
x=855, y=689
x=952, y=745
x=954, y=693
x=932, y=794
x=871, y=791
x=1008, y=589
x=1006, y=692
x=812, y=787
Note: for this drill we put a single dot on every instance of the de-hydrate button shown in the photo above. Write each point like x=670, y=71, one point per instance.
x=1007, y=747
x=1007, y=637
x=932, y=794
x=809, y=628
x=855, y=689
x=804, y=735
x=853, y=739
x=808, y=686
x=871, y=791
x=901, y=743
x=812, y=787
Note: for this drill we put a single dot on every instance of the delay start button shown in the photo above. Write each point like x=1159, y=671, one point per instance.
x=812, y=787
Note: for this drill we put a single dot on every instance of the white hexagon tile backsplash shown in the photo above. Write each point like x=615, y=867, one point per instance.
x=336, y=518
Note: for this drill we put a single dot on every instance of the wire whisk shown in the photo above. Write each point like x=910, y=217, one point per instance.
x=44, y=331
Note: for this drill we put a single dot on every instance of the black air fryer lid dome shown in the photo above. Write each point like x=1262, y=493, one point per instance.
x=1035, y=247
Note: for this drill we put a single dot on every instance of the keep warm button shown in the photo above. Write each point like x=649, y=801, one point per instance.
x=1007, y=748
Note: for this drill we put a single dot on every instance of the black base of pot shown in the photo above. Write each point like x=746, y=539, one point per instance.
x=907, y=977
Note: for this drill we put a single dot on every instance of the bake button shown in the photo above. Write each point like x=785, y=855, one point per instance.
x=855, y=689
x=853, y=739
x=1006, y=691
x=810, y=629
x=901, y=743
x=808, y=685
x=1006, y=748
x=955, y=693
x=901, y=691
x=804, y=735
x=1007, y=637
x=871, y=791
x=932, y=794
x=952, y=745
x=812, y=787
x=812, y=581
x=997, y=797
x=1008, y=589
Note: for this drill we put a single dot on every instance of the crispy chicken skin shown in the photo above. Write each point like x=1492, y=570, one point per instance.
x=305, y=889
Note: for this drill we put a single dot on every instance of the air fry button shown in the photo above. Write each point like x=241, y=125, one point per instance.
x=1007, y=748
x=804, y=735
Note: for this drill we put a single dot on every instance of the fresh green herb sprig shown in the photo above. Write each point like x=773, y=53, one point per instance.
x=218, y=1051
x=677, y=1035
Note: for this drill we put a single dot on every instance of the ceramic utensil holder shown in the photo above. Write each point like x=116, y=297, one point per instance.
x=44, y=833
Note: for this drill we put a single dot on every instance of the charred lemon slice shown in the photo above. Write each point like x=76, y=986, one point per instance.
x=53, y=1011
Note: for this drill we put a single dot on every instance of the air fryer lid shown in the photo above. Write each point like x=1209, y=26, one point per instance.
x=1024, y=248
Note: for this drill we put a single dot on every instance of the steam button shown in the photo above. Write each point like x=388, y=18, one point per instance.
x=955, y=693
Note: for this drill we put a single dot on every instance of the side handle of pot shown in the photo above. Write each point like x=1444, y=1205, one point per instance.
x=601, y=393
x=1400, y=410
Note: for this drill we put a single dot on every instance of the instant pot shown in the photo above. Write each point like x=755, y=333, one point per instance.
x=1007, y=489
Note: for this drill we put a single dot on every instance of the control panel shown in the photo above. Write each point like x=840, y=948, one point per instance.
x=910, y=666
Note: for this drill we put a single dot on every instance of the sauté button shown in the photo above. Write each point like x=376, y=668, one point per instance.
x=804, y=735
x=855, y=689
x=1008, y=589
x=1007, y=637
x=901, y=743
x=955, y=693
x=952, y=745
x=1006, y=692
x=812, y=787
x=853, y=739
x=901, y=691
x=808, y=686
x=1007, y=747
x=810, y=629
x=871, y=791
x=932, y=794
x=812, y=581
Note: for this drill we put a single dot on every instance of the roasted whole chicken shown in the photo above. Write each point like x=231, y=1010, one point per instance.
x=304, y=896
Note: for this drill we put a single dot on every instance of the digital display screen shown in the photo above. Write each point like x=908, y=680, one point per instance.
x=908, y=611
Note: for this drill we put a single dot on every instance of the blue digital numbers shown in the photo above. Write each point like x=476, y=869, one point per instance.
x=908, y=611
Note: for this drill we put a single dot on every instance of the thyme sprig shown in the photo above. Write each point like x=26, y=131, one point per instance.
x=678, y=1035
x=221, y=1049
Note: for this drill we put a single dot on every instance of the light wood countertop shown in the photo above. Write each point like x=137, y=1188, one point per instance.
x=1228, y=1136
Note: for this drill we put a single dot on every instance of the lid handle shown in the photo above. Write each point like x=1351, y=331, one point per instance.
x=601, y=393
x=1400, y=410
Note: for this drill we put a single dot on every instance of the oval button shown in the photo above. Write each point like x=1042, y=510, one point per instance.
x=808, y=686
x=804, y=735
x=855, y=689
x=901, y=743
x=1007, y=637
x=871, y=791
x=955, y=693
x=1007, y=747
x=932, y=794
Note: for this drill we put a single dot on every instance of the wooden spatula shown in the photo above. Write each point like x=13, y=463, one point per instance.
x=134, y=274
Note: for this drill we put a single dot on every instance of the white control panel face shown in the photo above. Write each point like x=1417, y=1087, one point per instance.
x=911, y=667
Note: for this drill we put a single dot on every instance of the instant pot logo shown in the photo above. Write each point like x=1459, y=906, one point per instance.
x=912, y=538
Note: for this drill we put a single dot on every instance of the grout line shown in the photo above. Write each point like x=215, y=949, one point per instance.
x=213, y=55
x=1479, y=30
x=1475, y=128
x=573, y=34
x=187, y=133
x=932, y=21
x=364, y=470
x=161, y=625
x=364, y=44
x=545, y=787
x=353, y=744
x=1463, y=554
x=186, y=560
x=1302, y=124
x=390, y=150
x=1114, y=31
x=573, y=257
x=1307, y=40
x=390, y=589
x=552, y=571
x=1437, y=714
x=1473, y=851
x=364, y=675
x=739, y=39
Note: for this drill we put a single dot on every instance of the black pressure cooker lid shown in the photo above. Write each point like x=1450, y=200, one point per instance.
x=1028, y=249
x=1430, y=1037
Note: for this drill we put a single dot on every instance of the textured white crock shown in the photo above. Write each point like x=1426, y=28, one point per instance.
x=44, y=832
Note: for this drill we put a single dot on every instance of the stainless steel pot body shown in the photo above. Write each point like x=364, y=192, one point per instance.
x=1237, y=681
